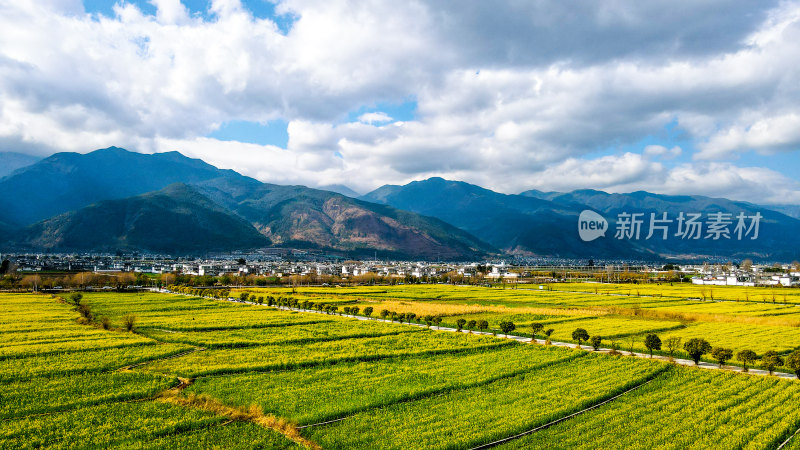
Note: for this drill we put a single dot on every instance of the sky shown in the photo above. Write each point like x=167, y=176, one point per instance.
x=678, y=97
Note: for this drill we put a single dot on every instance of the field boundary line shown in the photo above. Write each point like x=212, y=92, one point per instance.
x=77, y=350
x=149, y=361
x=307, y=364
x=433, y=393
x=788, y=439
x=233, y=327
x=565, y=418
x=91, y=404
x=302, y=341
x=258, y=371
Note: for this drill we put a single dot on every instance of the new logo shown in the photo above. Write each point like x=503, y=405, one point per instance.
x=591, y=226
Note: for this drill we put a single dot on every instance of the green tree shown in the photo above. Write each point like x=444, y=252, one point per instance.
x=746, y=357
x=105, y=322
x=507, y=326
x=428, y=320
x=696, y=348
x=793, y=362
x=673, y=344
x=129, y=321
x=243, y=296
x=471, y=325
x=354, y=310
x=346, y=310
x=536, y=327
x=652, y=342
x=483, y=325
x=410, y=317
x=595, y=341
x=460, y=323
x=721, y=355
x=547, y=333
x=437, y=320
x=771, y=360
x=76, y=297
x=580, y=335
x=85, y=311
x=368, y=311
x=384, y=313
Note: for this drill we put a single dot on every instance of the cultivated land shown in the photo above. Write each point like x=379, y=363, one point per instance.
x=666, y=310
x=203, y=373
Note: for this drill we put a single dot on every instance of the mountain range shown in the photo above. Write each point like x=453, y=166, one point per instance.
x=116, y=200
x=546, y=223
x=113, y=199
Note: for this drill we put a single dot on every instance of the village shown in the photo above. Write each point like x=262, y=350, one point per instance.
x=276, y=269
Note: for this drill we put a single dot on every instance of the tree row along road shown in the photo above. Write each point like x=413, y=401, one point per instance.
x=679, y=361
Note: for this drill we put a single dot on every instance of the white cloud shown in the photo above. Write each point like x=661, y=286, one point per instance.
x=630, y=172
x=375, y=117
x=509, y=95
x=662, y=152
x=768, y=135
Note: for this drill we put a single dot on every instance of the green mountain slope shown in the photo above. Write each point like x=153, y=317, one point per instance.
x=177, y=219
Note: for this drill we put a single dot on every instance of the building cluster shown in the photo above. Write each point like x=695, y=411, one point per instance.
x=787, y=276
x=283, y=265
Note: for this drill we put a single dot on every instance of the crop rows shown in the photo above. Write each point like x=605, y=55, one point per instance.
x=153, y=311
x=294, y=334
x=103, y=425
x=45, y=395
x=464, y=418
x=94, y=343
x=277, y=357
x=741, y=293
x=230, y=436
x=685, y=409
x=69, y=363
x=308, y=396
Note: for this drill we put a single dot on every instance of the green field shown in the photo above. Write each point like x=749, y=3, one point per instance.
x=202, y=373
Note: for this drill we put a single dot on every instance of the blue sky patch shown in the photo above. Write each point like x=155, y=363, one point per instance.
x=272, y=133
x=261, y=9
x=399, y=111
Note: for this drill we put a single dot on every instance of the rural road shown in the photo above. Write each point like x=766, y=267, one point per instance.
x=683, y=362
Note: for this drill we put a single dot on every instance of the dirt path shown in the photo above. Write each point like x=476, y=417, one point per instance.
x=252, y=414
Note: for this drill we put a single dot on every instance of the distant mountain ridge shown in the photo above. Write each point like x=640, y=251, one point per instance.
x=177, y=218
x=10, y=162
x=546, y=223
x=103, y=200
x=106, y=199
x=516, y=224
x=67, y=181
